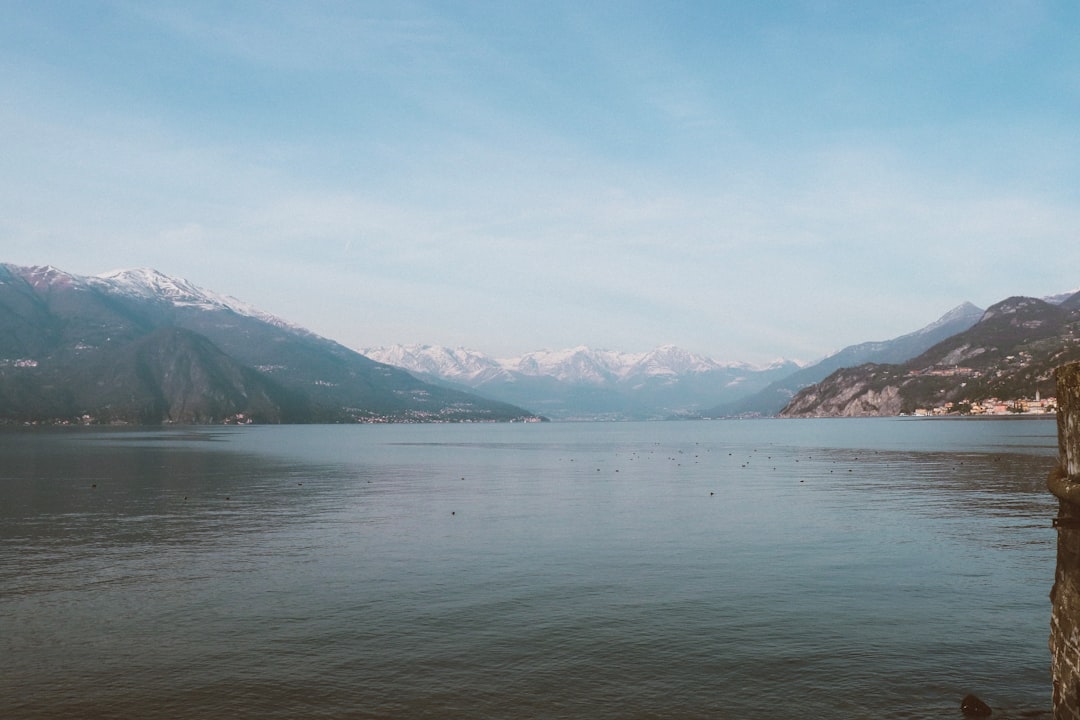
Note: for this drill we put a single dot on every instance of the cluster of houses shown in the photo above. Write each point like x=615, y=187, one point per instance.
x=994, y=406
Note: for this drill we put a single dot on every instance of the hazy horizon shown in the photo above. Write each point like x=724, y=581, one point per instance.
x=747, y=182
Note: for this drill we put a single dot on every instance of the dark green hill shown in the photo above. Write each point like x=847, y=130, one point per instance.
x=144, y=348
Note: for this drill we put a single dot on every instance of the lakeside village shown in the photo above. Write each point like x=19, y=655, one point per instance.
x=993, y=406
x=989, y=406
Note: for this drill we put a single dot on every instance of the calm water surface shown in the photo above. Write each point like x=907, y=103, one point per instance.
x=728, y=569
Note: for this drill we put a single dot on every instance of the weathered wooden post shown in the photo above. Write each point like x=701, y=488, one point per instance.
x=1064, y=482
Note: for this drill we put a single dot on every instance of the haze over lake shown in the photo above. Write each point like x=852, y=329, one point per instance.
x=725, y=569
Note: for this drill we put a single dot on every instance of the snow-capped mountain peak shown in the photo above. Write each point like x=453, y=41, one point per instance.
x=46, y=275
x=456, y=364
x=579, y=365
x=152, y=284
x=149, y=283
x=673, y=360
x=582, y=382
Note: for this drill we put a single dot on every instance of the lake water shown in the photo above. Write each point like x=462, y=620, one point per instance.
x=726, y=569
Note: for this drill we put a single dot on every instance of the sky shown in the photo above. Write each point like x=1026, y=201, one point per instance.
x=747, y=180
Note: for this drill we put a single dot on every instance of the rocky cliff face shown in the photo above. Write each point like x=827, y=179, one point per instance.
x=847, y=393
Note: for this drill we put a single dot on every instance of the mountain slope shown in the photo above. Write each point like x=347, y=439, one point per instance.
x=175, y=375
x=62, y=336
x=1010, y=353
x=772, y=399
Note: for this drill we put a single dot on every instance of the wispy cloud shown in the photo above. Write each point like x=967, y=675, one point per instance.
x=745, y=182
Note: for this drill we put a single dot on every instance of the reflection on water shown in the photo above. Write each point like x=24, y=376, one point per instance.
x=729, y=569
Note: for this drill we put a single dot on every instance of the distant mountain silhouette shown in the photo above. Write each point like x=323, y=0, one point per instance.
x=772, y=399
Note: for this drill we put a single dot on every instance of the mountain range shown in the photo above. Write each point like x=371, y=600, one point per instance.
x=585, y=383
x=668, y=382
x=772, y=399
x=1010, y=353
x=137, y=346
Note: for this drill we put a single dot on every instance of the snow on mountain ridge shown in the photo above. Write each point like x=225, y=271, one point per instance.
x=672, y=360
x=44, y=275
x=150, y=283
x=580, y=364
x=457, y=364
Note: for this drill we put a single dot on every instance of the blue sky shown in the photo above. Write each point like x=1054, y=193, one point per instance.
x=748, y=180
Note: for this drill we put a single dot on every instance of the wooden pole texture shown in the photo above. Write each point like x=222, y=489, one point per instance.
x=1064, y=482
